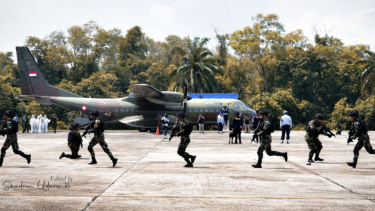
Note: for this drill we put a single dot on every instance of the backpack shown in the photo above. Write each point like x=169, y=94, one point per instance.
x=72, y=138
x=188, y=128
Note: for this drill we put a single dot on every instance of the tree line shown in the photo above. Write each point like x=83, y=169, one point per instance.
x=267, y=66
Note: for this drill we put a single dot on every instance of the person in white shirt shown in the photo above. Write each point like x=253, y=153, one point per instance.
x=32, y=123
x=285, y=125
x=165, y=122
x=220, y=122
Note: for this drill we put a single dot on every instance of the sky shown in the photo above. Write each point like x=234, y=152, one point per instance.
x=351, y=21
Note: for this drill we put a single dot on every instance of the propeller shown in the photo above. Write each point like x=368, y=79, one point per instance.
x=185, y=95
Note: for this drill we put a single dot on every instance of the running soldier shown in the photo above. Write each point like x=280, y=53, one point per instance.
x=358, y=130
x=10, y=128
x=97, y=127
x=313, y=130
x=181, y=129
x=74, y=141
x=265, y=130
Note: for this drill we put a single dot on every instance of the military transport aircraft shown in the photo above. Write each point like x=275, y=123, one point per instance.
x=139, y=109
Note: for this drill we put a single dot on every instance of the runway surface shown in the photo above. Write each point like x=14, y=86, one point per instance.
x=150, y=175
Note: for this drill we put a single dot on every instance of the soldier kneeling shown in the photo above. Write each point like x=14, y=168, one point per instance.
x=74, y=140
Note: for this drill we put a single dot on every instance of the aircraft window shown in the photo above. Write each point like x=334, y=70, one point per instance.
x=212, y=110
x=116, y=109
x=217, y=110
x=245, y=106
x=195, y=109
x=132, y=109
x=206, y=110
x=201, y=110
x=236, y=106
x=122, y=109
x=127, y=109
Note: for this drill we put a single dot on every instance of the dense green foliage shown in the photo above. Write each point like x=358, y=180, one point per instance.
x=268, y=67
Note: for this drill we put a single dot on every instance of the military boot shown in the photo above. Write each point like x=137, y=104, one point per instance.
x=192, y=158
x=285, y=155
x=318, y=159
x=114, y=160
x=93, y=161
x=353, y=164
x=258, y=165
x=189, y=164
x=27, y=157
x=62, y=155
x=309, y=161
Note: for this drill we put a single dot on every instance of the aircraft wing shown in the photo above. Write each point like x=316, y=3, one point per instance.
x=153, y=95
x=144, y=91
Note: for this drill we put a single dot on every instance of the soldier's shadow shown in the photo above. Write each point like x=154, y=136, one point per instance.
x=108, y=167
x=25, y=167
x=201, y=167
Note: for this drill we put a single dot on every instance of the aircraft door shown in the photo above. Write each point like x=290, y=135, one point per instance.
x=225, y=111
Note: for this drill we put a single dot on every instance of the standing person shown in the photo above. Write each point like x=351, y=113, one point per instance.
x=220, y=122
x=285, y=125
x=25, y=124
x=313, y=130
x=96, y=126
x=237, y=126
x=225, y=112
x=10, y=129
x=247, y=124
x=32, y=123
x=265, y=140
x=201, y=123
x=46, y=121
x=338, y=128
x=184, y=132
x=165, y=122
x=16, y=119
x=359, y=130
x=159, y=123
x=54, y=120
x=74, y=141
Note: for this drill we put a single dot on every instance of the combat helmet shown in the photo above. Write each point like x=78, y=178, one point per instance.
x=354, y=113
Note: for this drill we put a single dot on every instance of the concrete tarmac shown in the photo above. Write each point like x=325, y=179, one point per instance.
x=150, y=175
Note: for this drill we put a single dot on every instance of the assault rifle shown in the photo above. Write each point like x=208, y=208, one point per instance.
x=175, y=129
x=328, y=132
x=350, y=139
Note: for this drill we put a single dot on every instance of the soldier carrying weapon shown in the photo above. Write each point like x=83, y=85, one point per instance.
x=183, y=130
x=358, y=130
x=96, y=126
x=10, y=128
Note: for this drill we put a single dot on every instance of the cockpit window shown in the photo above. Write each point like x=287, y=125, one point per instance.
x=236, y=106
x=245, y=106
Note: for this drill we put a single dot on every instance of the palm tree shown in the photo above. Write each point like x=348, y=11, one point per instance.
x=368, y=76
x=199, y=66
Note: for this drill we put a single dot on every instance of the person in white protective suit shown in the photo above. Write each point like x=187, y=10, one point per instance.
x=36, y=124
x=41, y=123
x=46, y=121
x=32, y=122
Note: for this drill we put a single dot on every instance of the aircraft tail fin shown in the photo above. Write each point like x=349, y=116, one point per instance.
x=32, y=80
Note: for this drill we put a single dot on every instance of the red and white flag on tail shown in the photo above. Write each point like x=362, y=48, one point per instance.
x=32, y=73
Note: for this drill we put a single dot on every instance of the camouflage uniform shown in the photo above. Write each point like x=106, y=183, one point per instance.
x=160, y=124
x=10, y=128
x=359, y=129
x=339, y=128
x=25, y=124
x=266, y=140
x=97, y=127
x=54, y=123
x=74, y=145
x=185, y=140
x=313, y=130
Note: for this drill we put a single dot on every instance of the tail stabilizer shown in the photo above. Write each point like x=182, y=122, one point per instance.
x=32, y=80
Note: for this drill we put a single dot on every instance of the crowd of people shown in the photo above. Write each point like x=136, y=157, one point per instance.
x=35, y=124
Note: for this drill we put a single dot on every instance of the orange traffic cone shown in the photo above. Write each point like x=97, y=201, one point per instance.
x=157, y=131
